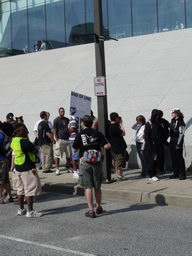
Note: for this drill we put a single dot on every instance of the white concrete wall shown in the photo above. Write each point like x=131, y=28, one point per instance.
x=145, y=72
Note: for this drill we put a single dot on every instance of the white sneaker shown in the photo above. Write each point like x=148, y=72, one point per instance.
x=57, y=172
x=75, y=175
x=33, y=214
x=21, y=212
x=154, y=178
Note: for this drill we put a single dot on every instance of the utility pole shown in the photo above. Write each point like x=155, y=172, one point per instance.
x=100, y=72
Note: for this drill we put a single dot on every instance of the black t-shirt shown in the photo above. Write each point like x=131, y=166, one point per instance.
x=8, y=129
x=89, y=139
x=61, y=126
x=118, y=143
x=28, y=165
x=43, y=128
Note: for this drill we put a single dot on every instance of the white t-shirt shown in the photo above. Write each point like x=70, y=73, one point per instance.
x=139, y=133
x=35, y=129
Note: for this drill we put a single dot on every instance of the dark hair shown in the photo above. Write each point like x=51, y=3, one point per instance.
x=61, y=108
x=155, y=115
x=180, y=114
x=161, y=113
x=141, y=119
x=10, y=116
x=87, y=120
x=114, y=116
x=43, y=114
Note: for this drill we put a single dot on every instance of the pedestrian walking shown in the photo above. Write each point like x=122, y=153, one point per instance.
x=73, y=127
x=28, y=182
x=177, y=126
x=61, y=135
x=151, y=143
x=118, y=144
x=89, y=143
x=4, y=167
x=139, y=127
x=45, y=140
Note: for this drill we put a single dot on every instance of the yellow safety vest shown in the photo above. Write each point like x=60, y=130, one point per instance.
x=19, y=155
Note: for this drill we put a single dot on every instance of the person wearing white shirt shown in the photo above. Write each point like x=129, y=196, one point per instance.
x=139, y=127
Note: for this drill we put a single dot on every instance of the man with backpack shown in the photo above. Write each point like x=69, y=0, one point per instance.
x=4, y=167
x=89, y=143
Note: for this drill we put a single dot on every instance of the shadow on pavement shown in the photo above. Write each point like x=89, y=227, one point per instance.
x=65, y=209
x=134, y=207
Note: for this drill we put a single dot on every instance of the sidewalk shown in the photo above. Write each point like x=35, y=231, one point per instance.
x=134, y=188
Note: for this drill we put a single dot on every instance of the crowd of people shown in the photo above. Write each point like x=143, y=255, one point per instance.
x=81, y=143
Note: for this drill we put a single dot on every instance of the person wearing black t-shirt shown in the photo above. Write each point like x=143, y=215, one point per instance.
x=89, y=143
x=45, y=140
x=118, y=144
x=61, y=135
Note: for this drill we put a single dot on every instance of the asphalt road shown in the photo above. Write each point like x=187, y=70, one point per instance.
x=125, y=229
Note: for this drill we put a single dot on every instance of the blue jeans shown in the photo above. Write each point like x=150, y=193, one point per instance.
x=140, y=153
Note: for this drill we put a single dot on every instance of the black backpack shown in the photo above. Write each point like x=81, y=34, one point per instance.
x=5, y=149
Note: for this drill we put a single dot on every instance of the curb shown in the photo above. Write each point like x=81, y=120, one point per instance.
x=124, y=195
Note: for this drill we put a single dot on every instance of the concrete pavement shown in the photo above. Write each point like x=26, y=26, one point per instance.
x=134, y=188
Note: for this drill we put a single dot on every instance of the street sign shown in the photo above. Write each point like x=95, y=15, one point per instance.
x=100, y=89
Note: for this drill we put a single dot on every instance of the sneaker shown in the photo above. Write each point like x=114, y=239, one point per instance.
x=120, y=178
x=154, y=178
x=57, y=172
x=21, y=212
x=33, y=214
x=173, y=176
x=75, y=175
x=90, y=214
x=99, y=210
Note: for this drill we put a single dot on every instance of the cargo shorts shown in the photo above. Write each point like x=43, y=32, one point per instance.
x=90, y=175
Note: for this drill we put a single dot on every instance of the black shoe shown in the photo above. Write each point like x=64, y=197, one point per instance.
x=99, y=210
x=173, y=176
x=183, y=178
x=48, y=171
x=90, y=214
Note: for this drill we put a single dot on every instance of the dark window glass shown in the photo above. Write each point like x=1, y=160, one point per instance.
x=119, y=18
x=189, y=13
x=75, y=21
x=105, y=13
x=37, y=34
x=171, y=15
x=55, y=23
x=19, y=25
x=5, y=25
x=144, y=17
x=89, y=11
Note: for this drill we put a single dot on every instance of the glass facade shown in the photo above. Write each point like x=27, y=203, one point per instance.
x=33, y=25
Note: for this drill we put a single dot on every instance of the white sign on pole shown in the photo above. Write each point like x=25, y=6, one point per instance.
x=100, y=89
x=80, y=105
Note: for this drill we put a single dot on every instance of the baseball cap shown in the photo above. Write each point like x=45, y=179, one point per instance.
x=175, y=110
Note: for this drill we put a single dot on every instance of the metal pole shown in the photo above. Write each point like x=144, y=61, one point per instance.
x=100, y=71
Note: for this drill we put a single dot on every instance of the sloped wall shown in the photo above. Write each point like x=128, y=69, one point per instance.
x=145, y=72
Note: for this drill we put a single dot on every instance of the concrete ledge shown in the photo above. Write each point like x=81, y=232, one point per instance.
x=124, y=195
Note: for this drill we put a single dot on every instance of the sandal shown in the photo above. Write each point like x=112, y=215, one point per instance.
x=90, y=214
x=99, y=210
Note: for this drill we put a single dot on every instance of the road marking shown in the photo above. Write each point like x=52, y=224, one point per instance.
x=52, y=247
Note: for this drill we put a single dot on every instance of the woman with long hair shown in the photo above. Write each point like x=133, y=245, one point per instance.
x=177, y=126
